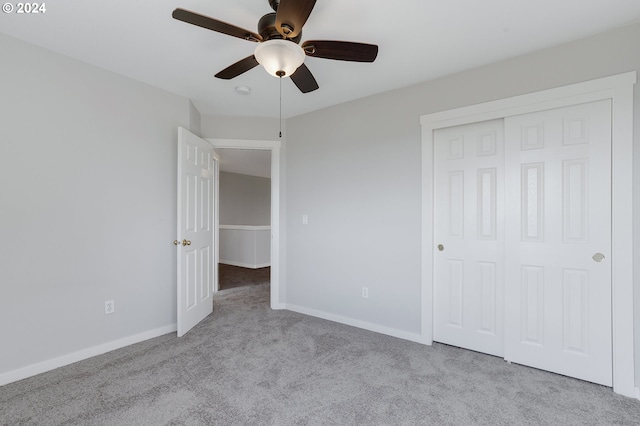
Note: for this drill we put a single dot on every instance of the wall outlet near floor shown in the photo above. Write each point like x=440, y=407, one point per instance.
x=109, y=307
x=365, y=292
x=305, y=219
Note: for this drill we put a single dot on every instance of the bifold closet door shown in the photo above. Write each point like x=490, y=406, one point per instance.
x=558, y=241
x=468, y=231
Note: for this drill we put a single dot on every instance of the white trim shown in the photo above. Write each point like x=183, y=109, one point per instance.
x=619, y=89
x=216, y=223
x=61, y=361
x=245, y=227
x=274, y=147
x=244, y=265
x=393, y=332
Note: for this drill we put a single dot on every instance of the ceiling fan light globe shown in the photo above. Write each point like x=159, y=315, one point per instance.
x=277, y=56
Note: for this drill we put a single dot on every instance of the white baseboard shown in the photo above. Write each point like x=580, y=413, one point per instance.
x=244, y=265
x=278, y=306
x=400, y=334
x=51, y=364
x=638, y=394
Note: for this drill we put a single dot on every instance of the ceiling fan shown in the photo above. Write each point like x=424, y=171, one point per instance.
x=279, y=50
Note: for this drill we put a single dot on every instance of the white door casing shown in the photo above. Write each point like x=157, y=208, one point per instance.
x=558, y=198
x=619, y=89
x=196, y=184
x=276, y=278
x=468, y=263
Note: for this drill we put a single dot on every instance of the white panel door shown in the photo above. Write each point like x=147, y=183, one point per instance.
x=196, y=184
x=558, y=241
x=468, y=267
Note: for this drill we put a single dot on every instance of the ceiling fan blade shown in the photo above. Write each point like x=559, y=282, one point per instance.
x=291, y=16
x=214, y=25
x=303, y=78
x=341, y=50
x=242, y=66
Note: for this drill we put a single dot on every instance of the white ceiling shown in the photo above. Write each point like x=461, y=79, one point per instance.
x=254, y=162
x=419, y=40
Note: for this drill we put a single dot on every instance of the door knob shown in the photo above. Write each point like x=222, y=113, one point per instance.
x=176, y=242
x=598, y=257
x=186, y=242
x=440, y=247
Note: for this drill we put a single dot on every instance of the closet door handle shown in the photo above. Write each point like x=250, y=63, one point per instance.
x=598, y=257
x=440, y=247
x=186, y=242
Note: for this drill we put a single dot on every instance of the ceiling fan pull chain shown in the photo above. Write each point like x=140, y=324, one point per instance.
x=280, y=105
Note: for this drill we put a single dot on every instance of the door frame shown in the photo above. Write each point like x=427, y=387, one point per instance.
x=618, y=88
x=274, y=147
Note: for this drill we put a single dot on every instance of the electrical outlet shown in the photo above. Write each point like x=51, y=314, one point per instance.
x=365, y=292
x=109, y=307
x=305, y=219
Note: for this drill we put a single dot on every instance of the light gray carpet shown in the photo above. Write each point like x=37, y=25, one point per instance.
x=248, y=365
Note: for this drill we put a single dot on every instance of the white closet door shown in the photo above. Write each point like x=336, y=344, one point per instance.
x=558, y=241
x=468, y=270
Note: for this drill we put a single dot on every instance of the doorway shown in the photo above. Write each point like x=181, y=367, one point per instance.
x=274, y=148
x=245, y=217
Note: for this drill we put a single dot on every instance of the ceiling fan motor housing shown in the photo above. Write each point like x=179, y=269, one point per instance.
x=267, y=29
x=274, y=4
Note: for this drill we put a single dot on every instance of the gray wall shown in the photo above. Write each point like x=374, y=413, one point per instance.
x=250, y=128
x=195, y=120
x=358, y=178
x=244, y=200
x=87, y=206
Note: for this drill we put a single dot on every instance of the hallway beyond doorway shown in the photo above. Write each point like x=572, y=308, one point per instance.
x=235, y=276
